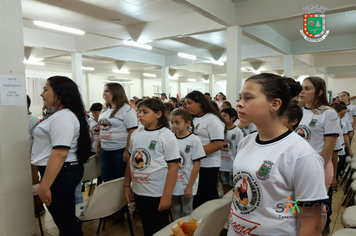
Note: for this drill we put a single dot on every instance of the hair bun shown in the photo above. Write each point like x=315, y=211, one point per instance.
x=295, y=87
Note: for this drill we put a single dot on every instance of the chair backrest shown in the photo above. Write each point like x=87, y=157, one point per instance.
x=107, y=199
x=91, y=169
x=214, y=221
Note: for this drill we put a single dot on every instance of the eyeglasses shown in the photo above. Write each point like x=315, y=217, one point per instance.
x=343, y=95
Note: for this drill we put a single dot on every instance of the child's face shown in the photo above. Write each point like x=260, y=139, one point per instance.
x=342, y=113
x=227, y=118
x=148, y=118
x=344, y=98
x=178, y=124
x=308, y=92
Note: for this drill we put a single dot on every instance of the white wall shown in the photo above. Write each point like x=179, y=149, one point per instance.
x=339, y=85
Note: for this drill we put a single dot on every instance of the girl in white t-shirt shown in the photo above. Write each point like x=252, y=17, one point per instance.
x=61, y=146
x=117, y=122
x=191, y=152
x=274, y=166
x=153, y=166
x=209, y=127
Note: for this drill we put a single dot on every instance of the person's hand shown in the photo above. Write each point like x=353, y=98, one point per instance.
x=351, y=153
x=188, y=192
x=45, y=195
x=334, y=183
x=165, y=203
x=97, y=153
x=128, y=194
x=125, y=156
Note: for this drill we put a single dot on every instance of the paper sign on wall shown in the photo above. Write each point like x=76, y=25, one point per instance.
x=13, y=90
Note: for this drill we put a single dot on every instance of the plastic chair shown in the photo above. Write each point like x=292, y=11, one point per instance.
x=107, y=199
x=35, y=193
x=345, y=232
x=91, y=171
x=348, y=218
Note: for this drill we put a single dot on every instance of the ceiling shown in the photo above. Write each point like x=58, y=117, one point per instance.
x=270, y=30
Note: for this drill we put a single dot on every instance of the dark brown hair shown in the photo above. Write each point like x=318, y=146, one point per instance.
x=185, y=115
x=319, y=100
x=156, y=105
x=119, y=97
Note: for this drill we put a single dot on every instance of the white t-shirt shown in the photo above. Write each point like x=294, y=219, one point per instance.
x=251, y=128
x=32, y=122
x=351, y=113
x=94, y=133
x=219, y=104
x=190, y=149
x=228, y=152
x=61, y=130
x=348, y=124
x=343, y=131
x=314, y=127
x=114, y=131
x=265, y=174
x=150, y=151
x=209, y=128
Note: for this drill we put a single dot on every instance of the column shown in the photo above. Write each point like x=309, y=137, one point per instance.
x=211, y=85
x=288, y=65
x=233, y=71
x=16, y=199
x=142, y=86
x=165, y=80
x=77, y=72
x=179, y=89
x=87, y=102
x=312, y=71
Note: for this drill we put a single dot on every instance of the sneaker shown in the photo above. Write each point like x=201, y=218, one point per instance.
x=326, y=230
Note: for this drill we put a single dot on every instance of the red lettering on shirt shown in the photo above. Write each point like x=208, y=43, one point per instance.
x=245, y=229
x=141, y=178
x=105, y=135
x=180, y=177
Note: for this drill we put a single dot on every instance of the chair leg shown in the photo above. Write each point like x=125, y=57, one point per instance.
x=98, y=231
x=347, y=197
x=104, y=225
x=170, y=214
x=40, y=224
x=345, y=177
x=351, y=202
x=129, y=220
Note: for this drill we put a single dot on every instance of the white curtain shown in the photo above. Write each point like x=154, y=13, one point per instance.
x=34, y=88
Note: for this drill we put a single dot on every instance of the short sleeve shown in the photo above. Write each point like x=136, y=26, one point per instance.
x=309, y=167
x=338, y=144
x=130, y=119
x=331, y=123
x=131, y=140
x=198, y=150
x=344, y=128
x=171, y=150
x=61, y=132
x=348, y=125
x=353, y=111
x=215, y=129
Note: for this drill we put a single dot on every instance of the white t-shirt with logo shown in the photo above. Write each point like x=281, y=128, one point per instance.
x=94, y=133
x=190, y=149
x=209, y=128
x=268, y=176
x=150, y=151
x=251, y=128
x=61, y=130
x=351, y=113
x=228, y=152
x=32, y=122
x=314, y=127
x=348, y=124
x=114, y=131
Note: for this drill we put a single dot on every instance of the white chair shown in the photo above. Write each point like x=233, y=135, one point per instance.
x=213, y=214
x=345, y=232
x=348, y=218
x=107, y=199
x=91, y=171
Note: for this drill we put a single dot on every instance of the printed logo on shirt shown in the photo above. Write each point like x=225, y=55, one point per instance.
x=183, y=161
x=233, y=137
x=187, y=149
x=96, y=130
x=304, y=132
x=105, y=124
x=247, y=193
x=152, y=145
x=227, y=145
x=197, y=126
x=313, y=122
x=242, y=226
x=265, y=170
x=141, y=159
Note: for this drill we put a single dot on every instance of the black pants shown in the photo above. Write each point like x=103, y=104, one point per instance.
x=341, y=165
x=152, y=219
x=62, y=207
x=207, y=188
x=329, y=204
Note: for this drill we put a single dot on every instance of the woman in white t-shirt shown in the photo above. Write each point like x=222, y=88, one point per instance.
x=61, y=146
x=273, y=167
x=209, y=126
x=220, y=99
x=117, y=121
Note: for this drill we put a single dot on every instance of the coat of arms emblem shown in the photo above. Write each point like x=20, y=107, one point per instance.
x=314, y=23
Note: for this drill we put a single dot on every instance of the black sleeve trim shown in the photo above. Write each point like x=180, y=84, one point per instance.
x=338, y=150
x=332, y=134
x=132, y=128
x=61, y=146
x=354, y=116
x=213, y=140
x=253, y=131
x=310, y=204
x=175, y=160
x=198, y=159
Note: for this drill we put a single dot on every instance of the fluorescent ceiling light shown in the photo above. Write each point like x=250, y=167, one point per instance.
x=256, y=71
x=187, y=56
x=243, y=69
x=87, y=68
x=58, y=27
x=221, y=82
x=173, y=77
x=217, y=62
x=144, y=41
x=206, y=81
x=191, y=80
x=149, y=75
x=135, y=44
x=121, y=71
x=31, y=62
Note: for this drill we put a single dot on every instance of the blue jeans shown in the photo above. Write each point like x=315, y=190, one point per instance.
x=111, y=164
x=62, y=207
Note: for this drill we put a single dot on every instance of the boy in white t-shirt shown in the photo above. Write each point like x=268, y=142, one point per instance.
x=228, y=153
